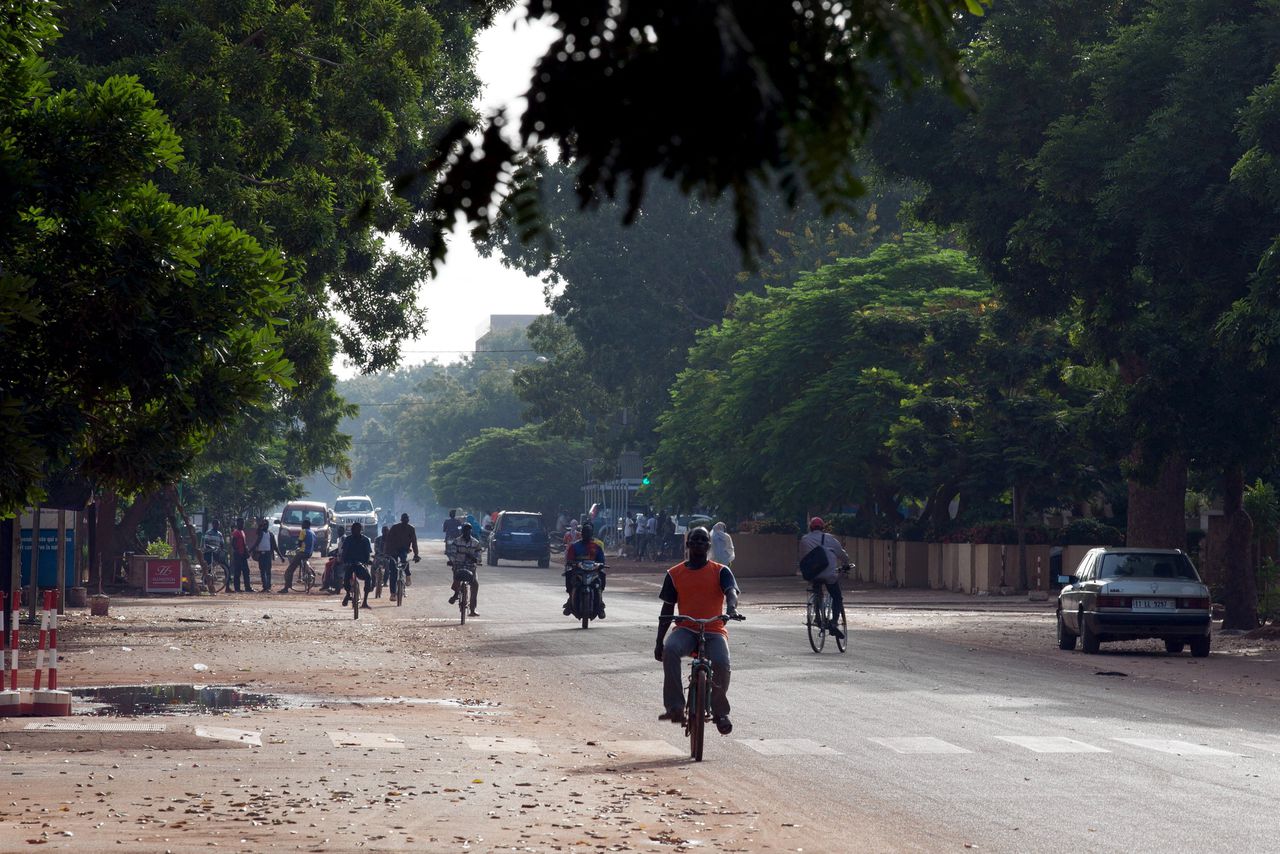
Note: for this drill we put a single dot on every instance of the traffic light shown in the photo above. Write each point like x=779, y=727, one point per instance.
x=644, y=481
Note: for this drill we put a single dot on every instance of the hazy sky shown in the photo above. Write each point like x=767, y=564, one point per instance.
x=469, y=288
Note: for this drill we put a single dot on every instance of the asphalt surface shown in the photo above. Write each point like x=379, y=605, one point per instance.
x=933, y=742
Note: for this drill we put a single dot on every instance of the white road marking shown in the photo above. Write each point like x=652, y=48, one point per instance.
x=654, y=747
x=501, y=744
x=96, y=726
x=222, y=733
x=788, y=747
x=919, y=744
x=1175, y=747
x=367, y=740
x=1051, y=744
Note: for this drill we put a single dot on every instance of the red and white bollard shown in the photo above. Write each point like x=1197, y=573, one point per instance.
x=10, y=697
x=49, y=701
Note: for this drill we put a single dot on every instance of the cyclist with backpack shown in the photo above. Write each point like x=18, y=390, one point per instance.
x=836, y=556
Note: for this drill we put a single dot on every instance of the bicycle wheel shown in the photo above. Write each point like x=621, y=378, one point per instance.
x=308, y=578
x=842, y=643
x=399, y=576
x=816, y=620
x=697, y=712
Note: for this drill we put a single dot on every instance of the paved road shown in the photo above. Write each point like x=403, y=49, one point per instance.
x=947, y=745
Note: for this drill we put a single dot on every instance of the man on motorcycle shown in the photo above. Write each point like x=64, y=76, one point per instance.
x=466, y=553
x=357, y=551
x=587, y=548
x=399, y=539
x=703, y=589
x=306, y=545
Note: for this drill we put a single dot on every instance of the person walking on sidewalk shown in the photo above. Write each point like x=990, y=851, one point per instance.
x=265, y=549
x=239, y=557
x=721, y=544
x=836, y=558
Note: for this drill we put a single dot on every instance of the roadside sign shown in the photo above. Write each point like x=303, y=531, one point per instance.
x=163, y=575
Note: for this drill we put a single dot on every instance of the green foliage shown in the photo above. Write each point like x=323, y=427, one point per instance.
x=511, y=469
x=768, y=526
x=296, y=116
x=159, y=548
x=1263, y=506
x=141, y=326
x=635, y=90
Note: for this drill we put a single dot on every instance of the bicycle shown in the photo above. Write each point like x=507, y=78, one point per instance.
x=698, y=699
x=818, y=617
x=381, y=566
x=353, y=587
x=466, y=577
x=308, y=575
x=397, y=575
x=215, y=571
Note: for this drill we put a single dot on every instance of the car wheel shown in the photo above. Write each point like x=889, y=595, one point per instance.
x=492, y=557
x=1200, y=647
x=1088, y=640
x=544, y=561
x=1066, y=637
x=1173, y=647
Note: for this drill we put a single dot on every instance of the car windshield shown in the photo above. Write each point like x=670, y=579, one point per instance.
x=353, y=505
x=295, y=515
x=1141, y=565
x=522, y=524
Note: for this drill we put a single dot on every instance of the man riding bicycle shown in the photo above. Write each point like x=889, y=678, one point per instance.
x=357, y=551
x=703, y=589
x=397, y=542
x=306, y=545
x=466, y=552
x=587, y=548
x=836, y=558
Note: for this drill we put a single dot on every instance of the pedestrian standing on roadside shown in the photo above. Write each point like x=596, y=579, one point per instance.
x=629, y=535
x=721, y=544
x=265, y=549
x=239, y=557
x=651, y=536
x=212, y=544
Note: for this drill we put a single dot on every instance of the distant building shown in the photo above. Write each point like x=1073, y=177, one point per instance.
x=501, y=332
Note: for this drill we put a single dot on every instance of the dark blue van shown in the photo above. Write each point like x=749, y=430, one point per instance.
x=518, y=535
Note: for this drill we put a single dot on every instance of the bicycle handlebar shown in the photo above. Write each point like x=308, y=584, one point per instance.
x=722, y=618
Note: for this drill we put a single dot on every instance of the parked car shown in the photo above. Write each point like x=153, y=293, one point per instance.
x=290, y=522
x=356, y=508
x=519, y=535
x=696, y=520
x=1125, y=594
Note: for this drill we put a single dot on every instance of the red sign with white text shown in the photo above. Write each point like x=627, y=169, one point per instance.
x=164, y=575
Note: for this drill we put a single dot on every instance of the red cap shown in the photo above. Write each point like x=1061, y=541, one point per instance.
x=815, y=523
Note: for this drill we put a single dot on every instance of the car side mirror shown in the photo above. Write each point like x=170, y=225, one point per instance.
x=277, y=522
x=377, y=510
x=1066, y=579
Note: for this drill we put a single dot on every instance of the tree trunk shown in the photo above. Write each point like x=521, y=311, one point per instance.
x=1019, y=503
x=116, y=538
x=1240, y=593
x=1157, y=511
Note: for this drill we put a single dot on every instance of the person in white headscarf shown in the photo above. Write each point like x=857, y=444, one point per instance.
x=721, y=544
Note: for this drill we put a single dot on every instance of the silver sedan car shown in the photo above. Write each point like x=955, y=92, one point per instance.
x=1126, y=594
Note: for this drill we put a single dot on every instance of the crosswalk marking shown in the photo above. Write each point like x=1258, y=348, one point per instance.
x=654, y=747
x=367, y=740
x=1175, y=747
x=500, y=744
x=919, y=744
x=96, y=726
x=222, y=733
x=1051, y=744
x=788, y=747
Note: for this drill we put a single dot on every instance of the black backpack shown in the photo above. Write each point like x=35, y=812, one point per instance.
x=813, y=564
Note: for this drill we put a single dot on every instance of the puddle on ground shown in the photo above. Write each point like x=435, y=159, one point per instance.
x=183, y=699
x=177, y=699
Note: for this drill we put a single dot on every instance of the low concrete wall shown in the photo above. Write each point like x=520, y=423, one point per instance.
x=762, y=555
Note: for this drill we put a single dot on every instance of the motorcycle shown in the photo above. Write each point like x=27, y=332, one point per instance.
x=586, y=581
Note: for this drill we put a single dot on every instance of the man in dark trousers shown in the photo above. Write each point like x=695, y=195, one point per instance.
x=357, y=551
x=239, y=557
x=264, y=548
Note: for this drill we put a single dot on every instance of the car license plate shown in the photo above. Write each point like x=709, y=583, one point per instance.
x=1153, y=605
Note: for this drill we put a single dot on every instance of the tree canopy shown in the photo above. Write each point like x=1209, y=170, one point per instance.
x=133, y=325
x=511, y=469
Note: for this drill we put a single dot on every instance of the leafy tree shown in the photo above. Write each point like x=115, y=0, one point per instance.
x=296, y=116
x=511, y=469
x=134, y=326
x=626, y=328
x=789, y=402
x=1097, y=178
x=635, y=90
